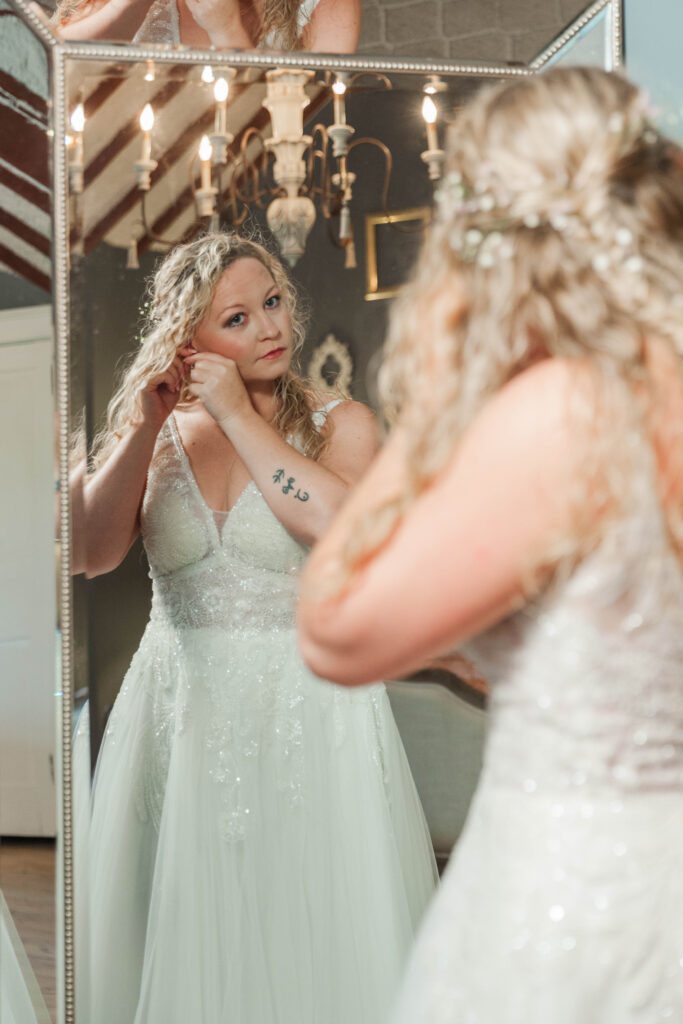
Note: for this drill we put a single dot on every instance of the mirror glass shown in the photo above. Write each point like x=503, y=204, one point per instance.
x=354, y=259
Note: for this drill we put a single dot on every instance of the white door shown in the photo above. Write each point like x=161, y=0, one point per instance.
x=27, y=574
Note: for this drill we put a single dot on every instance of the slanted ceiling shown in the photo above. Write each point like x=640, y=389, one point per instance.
x=25, y=202
x=109, y=208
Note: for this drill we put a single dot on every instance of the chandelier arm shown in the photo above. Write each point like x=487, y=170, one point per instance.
x=377, y=75
x=388, y=164
x=149, y=231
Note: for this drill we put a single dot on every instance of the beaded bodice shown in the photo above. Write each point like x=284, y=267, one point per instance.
x=239, y=574
x=587, y=682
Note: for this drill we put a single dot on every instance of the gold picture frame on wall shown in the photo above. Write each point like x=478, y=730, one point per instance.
x=421, y=216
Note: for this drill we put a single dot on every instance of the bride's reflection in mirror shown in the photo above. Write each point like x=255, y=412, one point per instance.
x=256, y=840
x=328, y=26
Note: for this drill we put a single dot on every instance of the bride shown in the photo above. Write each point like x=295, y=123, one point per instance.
x=530, y=506
x=257, y=849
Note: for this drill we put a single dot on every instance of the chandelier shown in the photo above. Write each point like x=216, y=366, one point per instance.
x=289, y=174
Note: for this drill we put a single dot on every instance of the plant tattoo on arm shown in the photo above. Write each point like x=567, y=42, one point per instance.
x=300, y=495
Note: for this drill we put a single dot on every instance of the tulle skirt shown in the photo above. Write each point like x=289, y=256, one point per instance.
x=257, y=851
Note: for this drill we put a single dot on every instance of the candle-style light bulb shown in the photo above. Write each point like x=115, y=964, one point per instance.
x=146, y=124
x=220, y=93
x=147, y=118
x=339, y=90
x=221, y=90
x=429, y=112
x=207, y=74
x=77, y=119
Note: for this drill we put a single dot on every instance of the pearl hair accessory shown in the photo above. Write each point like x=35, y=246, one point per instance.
x=486, y=214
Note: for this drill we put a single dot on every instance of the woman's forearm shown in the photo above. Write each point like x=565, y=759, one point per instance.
x=303, y=494
x=114, y=19
x=111, y=502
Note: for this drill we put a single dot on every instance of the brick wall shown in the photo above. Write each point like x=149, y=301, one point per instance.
x=491, y=30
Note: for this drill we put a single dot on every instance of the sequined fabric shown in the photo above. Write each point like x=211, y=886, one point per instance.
x=257, y=849
x=563, y=902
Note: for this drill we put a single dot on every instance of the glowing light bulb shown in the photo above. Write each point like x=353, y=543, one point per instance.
x=78, y=118
x=220, y=90
x=147, y=118
x=339, y=90
x=207, y=74
x=205, y=149
x=146, y=124
x=429, y=110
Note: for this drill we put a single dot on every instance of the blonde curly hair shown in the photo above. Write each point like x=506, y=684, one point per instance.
x=583, y=199
x=180, y=293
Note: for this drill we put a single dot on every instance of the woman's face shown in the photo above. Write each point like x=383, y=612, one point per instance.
x=248, y=322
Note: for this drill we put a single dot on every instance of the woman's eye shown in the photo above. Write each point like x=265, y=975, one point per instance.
x=236, y=320
x=272, y=301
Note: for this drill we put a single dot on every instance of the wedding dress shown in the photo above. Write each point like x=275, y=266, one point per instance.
x=258, y=853
x=563, y=902
x=161, y=24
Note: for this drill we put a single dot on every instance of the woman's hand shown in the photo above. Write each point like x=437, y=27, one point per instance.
x=160, y=395
x=217, y=383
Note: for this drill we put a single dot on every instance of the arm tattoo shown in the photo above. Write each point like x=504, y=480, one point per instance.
x=300, y=495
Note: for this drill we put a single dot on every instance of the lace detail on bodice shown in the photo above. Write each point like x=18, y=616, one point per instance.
x=586, y=682
x=206, y=575
x=162, y=25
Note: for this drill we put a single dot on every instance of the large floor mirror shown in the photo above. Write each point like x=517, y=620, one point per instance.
x=159, y=132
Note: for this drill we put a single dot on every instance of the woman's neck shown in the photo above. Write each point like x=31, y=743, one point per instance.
x=263, y=398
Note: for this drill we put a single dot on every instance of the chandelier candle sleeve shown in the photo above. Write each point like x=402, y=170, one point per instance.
x=205, y=152
x=146, y=125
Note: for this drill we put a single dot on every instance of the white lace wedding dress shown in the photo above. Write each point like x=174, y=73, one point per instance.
x=258, y=853
x=563, y=903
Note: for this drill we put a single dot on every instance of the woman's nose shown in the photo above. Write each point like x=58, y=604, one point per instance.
x=268, y=328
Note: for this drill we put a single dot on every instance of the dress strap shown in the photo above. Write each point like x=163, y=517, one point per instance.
x=320, y=415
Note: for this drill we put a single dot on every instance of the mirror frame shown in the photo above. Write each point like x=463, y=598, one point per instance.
x=59, y=55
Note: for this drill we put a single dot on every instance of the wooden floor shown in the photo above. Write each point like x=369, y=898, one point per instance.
x=27, y=880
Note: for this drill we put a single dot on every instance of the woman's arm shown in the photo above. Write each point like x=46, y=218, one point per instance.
x=302, y=493
x=334, y=27
x=104, y=19
x=458, y=561
x=106, y=504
